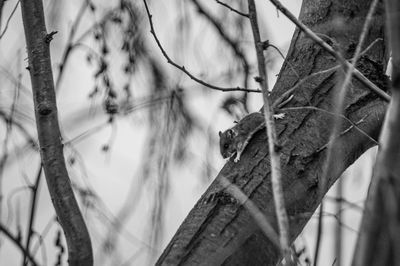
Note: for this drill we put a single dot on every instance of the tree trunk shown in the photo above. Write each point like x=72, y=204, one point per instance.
x=51, y=147
x=218, y=230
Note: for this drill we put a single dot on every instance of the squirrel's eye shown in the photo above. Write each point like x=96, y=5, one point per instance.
x=226, y=146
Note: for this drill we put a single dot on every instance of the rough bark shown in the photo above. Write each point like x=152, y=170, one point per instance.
x=51, y=148
x=218, y=230
x=379, y=239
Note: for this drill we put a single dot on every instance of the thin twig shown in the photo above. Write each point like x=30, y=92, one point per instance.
x=9, y=19
x=34, y=194
x=182, y=68
x=283, y=221
x=364, y=80
x=319, y=233
x=1, y=10
x=9, y=121
x=231, y=42
x=232, y=9
x=69, y=47
x=15, y=240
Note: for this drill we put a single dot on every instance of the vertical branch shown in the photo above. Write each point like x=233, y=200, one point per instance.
x=339, y=105
x=338, y=236
x=273, y=146
x=319, y=232
x=34, y=193
x=1, y=10
x=379, y=238
x=51, y=149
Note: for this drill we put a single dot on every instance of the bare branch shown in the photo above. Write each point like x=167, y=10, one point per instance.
x=69, y=46
x=1, y=10
x=15, y=240
x=58, y=182
x=34, y=191
x=283, y=221
x=232, y=9
x=9, y=18
x=231, y=42
x=268, y=44
x=182, y=68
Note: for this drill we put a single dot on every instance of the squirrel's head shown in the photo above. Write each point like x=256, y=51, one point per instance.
x=227, y=146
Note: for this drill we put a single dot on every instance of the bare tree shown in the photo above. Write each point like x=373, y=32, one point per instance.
x=325, y=110
x=219, y=231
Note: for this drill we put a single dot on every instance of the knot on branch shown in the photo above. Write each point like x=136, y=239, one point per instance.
x=258, y=79
x=44, y=109
x=265, y=44
x=49, y=36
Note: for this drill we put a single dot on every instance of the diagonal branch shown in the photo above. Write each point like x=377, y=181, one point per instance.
x=232, y=9
x=230, y=41
x=15, y=240
x=182, y=68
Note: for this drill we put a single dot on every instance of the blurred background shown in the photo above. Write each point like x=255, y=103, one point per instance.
x=141, y=137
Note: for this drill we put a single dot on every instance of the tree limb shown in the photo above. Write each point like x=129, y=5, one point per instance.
x=276, y=173
x=220, y=232
x=51, y=148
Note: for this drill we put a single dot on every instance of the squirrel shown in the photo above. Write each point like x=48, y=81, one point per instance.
x=234, y=140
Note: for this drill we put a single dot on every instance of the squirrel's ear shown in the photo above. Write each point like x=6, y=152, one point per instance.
x=220, y=133
x=229, y=133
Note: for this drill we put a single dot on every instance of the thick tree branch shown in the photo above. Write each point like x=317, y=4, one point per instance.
x=222, y=232
x=51, y=148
